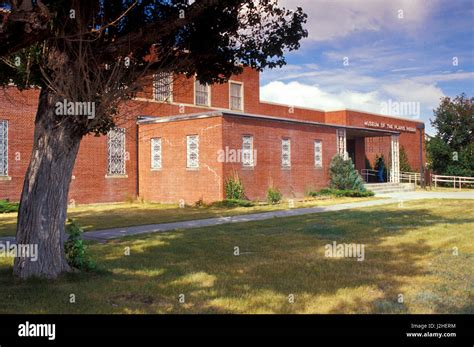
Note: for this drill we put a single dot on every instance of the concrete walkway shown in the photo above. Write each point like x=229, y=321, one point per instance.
x=391, y=198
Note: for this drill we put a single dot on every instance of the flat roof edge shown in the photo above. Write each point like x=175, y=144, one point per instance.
x=203, y=115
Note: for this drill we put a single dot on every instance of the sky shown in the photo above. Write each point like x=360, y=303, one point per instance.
x=396, y=57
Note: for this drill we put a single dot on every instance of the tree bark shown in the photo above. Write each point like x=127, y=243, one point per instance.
x=43, y=204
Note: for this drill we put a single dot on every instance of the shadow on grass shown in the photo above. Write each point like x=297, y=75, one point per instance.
x=278, y=258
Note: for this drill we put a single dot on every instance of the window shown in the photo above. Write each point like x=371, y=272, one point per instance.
x=247, y=151
x=202, y=94
x=318, y=153
x=192, y=153
x=286, y=153
x=236, y=96
x=156, y=154
x=163, y=86
x=3, y=148
x=116, y=151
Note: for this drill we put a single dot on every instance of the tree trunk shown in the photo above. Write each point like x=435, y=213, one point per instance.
x=43, y=204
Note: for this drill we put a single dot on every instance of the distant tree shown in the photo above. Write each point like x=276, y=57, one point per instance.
x=343, y=175
x=97, y=52
x=451, y=150
x=404, y=164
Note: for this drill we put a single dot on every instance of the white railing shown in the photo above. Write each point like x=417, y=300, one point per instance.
x=460, y=180
x=410, y=177
x=365, y=173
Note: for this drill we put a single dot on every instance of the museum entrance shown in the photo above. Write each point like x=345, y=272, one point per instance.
x=351, y=144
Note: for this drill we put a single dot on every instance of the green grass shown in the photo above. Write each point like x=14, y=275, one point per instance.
x=105, y=216
x=408, y=251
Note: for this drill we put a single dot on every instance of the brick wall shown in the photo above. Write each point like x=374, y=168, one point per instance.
x=174, y=181
x=19, y=110
x=267, y=136
x=92, y=185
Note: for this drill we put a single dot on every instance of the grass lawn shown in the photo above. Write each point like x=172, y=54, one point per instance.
x=105, y=216
x=408, y=251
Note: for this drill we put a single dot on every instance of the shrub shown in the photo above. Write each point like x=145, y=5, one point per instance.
x=200, y=203
x=6, y=206
x=234, y=188
x=404, y=164
x=234, y=203
x=273, y=195
x=344, y=175
x=342, y=192
x=75, y=249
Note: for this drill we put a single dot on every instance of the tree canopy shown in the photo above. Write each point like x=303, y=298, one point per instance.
x=451, y=150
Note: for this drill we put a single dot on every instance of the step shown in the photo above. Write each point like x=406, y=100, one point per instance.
x=385, y=188
x=388, y=191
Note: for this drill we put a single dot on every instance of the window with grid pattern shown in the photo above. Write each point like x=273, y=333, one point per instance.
x=286, y=153
x=192, y=151
x=163, y=86
x=3, y=148
x=156, y=153
x=247, y=151
x=318, y=153
x=116, y=151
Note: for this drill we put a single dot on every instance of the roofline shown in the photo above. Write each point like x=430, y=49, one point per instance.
x=339, y=110
x=203, y=115
x=379, y=115
x=295, y=106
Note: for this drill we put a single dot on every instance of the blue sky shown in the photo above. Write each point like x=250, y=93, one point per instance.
x=365, y=54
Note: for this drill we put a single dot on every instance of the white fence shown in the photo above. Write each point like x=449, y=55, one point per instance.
x=459, y=180
x=410, y=177
x=414, y=177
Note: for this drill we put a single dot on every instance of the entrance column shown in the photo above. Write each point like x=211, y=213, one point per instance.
x=395, y=154
x=341, y=143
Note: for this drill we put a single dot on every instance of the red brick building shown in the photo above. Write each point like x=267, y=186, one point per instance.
x=181, y=140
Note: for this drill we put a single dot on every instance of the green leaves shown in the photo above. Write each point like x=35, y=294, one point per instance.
x=451, y=150
x=234, y=188
x=75, y=249
x=344, y=176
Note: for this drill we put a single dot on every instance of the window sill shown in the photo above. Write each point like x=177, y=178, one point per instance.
x=5, y=178
x=286, y=168
x=248, y=168
x=156, y=170
x=192, y=169
x=116, y=176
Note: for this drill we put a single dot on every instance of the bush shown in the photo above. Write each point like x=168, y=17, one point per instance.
x=6, y=207
x=200, y=203
x=234, y=203
x=273, y=195
x=344, y=175
x=234, y=189
x=75, y=249
x=404, y=164
x=342, y=192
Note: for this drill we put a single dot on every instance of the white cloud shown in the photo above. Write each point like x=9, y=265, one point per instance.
x=304, y=95
x=314, y=96
x=409, y=90
x=330, y=19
